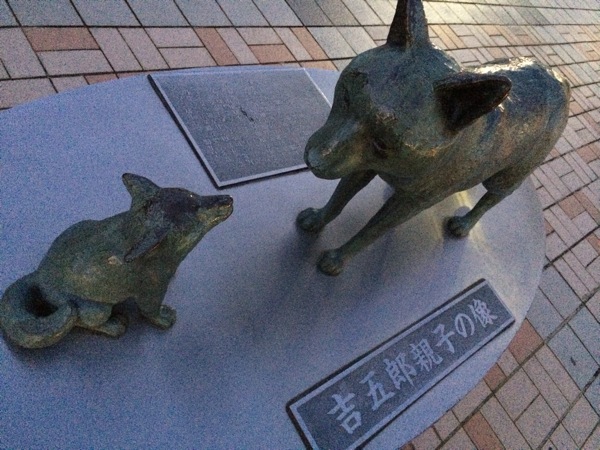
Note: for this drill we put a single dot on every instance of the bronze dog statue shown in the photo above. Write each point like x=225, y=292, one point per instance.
x=407, y=112
x=93, y=265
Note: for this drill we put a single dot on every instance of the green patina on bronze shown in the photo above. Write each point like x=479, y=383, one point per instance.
x=408, y=113
x=94, y=265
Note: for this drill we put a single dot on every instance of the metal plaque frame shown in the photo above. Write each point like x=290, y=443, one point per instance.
x=244, y=125
x=353, y=405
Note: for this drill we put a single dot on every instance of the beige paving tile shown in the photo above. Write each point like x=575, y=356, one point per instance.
x=547, y=387
x=584, y=252
x=471, y=401
x=555, y=180
x=558, y=373
x=62, y=84
x=3, y=73
x=378, y=32
x=259, y=36
x=242, y=12
x=507, y=362
x=116, y=49
x=547, y=183
x=585, y=222
x=460, y=441
x=105, y=12
x=446, y=425
x=277, y=12
x=562, y=440
x=594, y=305
x=581, y=421
x=332, y=42
x=562, y=297
x=358, y=38
x=16, y=54
x=6, y=16
x=503, y=425
x=579, y=270
x=593, y=442
x=293, y=44
x=45, y=12
x=537, y=422
x=238, y=46
x=309, y=43
x=571, y=277
x=517, y=394
x=174, y=37
x=143, y=48
x=73, y=62
x=426, y=440
x=363, y=13
x=542, y=314
x=178, y=58
x=15, y=92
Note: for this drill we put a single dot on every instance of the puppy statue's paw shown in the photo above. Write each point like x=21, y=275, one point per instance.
x=459, y=226
x=310, y=220
x=165, y=319
x=331, y=263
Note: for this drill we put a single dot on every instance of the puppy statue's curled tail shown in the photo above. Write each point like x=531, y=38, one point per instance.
x=30, y=320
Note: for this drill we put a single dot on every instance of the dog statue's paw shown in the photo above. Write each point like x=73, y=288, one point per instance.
x=114, y=327
x=165, y=319
x=310, y=220
x=331, y=263
x=459, y=226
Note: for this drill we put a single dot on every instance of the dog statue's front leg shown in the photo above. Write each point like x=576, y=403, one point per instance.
x=151, y=307
x=313, y=219
x=395, y=211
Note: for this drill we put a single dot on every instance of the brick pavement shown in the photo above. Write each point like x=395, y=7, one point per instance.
x=544, y=392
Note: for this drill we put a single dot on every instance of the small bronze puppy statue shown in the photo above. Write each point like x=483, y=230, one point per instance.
x=407, y=112
x=94, y=265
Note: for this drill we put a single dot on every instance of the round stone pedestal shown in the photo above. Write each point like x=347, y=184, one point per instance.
x=257, y=324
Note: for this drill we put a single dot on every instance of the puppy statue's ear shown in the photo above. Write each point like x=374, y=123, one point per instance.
x=139, y=188
x=465, y=96
x=150, y=240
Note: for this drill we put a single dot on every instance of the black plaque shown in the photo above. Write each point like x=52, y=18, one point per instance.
x=245, y=125
x=353, y=405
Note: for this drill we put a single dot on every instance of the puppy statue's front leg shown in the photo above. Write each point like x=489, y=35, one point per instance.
x=395, y=211
x=313, y=219
x=160, y=315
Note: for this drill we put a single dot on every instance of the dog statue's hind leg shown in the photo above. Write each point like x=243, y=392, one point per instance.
x=460, y=226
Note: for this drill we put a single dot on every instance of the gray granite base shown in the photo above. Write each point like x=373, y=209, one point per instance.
x=257, y=323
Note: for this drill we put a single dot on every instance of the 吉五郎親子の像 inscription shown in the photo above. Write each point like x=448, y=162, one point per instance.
x=352, y=406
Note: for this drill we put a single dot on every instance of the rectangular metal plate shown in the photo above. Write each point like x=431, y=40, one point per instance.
x=353, y=405
x=245, y=125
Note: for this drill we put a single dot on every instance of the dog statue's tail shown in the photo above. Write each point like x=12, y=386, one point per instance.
x=29, y=320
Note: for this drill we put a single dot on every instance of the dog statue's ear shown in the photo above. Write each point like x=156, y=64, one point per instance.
x=139, y=188
x=409, y=26
x=464, y=97
x=150, y=240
